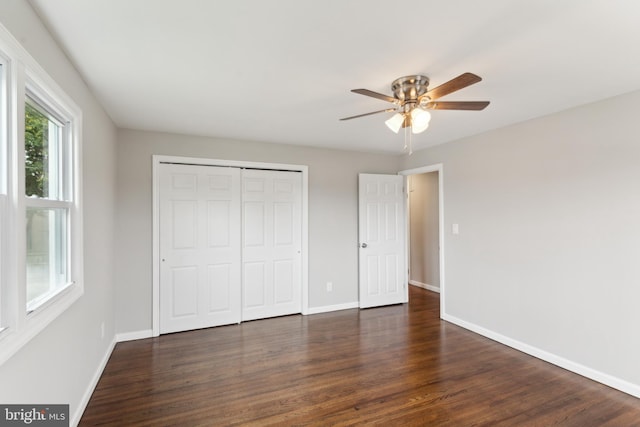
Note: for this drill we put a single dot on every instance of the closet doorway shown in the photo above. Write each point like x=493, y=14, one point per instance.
x=229, y=242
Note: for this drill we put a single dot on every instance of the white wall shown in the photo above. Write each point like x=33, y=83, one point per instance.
x=423, y=237
x=60, y=364
x=549, y=243
x=333, y=243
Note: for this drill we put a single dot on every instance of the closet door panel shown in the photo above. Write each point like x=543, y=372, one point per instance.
x=200, y=247
x=272, y=235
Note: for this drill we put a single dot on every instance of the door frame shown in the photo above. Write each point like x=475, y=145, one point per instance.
x=437, y=167
x=155, y=167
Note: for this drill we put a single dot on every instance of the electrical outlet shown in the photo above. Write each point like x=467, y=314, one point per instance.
x=329, y=286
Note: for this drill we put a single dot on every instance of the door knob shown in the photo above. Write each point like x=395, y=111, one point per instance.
x=364, y=245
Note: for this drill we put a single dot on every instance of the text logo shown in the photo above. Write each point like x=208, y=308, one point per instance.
x=34, y=415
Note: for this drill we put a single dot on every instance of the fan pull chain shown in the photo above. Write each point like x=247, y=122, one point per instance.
x=408, y=146
x=405, y=140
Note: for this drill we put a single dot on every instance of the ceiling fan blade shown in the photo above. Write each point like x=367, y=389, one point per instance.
x=460, y=82
x=388, y=110
x=377, y=95
x=458, y=105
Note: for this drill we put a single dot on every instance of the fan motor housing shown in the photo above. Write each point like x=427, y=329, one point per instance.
x=410, y=87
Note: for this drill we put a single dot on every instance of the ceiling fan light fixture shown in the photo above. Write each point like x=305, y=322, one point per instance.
x=395, y=122
x=412, y=99
x=419, y=120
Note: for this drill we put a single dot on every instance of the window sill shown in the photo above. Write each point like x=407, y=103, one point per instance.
x=13, y=339
x=47, y=299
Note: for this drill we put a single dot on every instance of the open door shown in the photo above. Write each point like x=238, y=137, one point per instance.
x=382, y=235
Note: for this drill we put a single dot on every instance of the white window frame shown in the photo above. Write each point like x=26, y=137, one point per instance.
x=22, y=76
x=55, y=113
x=4, y=136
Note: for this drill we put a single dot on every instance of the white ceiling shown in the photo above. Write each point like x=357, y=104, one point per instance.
x=281, y=70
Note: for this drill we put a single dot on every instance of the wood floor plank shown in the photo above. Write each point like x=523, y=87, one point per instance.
x=396, y=365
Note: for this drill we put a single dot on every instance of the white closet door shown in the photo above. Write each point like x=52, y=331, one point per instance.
x=271, y=243
x=200, y=271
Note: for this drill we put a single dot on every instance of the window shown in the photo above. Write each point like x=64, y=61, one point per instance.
x=48, y=202
x=3, y=187
x=40, y=209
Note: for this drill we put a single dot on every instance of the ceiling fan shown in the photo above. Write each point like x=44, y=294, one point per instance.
x=412, y=98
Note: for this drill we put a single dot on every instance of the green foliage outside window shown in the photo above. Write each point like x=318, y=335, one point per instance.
x=36, y=134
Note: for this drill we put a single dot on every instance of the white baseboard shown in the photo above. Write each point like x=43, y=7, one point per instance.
x=425, y=286
x=127, y=336
x=585, y=371
x=328, y=308
x=135, y=335
x=77, y=415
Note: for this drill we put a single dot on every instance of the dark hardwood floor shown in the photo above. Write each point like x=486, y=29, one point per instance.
x=395, y=366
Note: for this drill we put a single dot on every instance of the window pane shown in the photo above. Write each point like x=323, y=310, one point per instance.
x=47, y=252
x=3, y=130
x=43, y=157
x=3, y=189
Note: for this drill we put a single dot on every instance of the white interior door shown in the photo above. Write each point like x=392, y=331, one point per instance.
x=271, y=243
x=382, y=235
x=200, y=272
